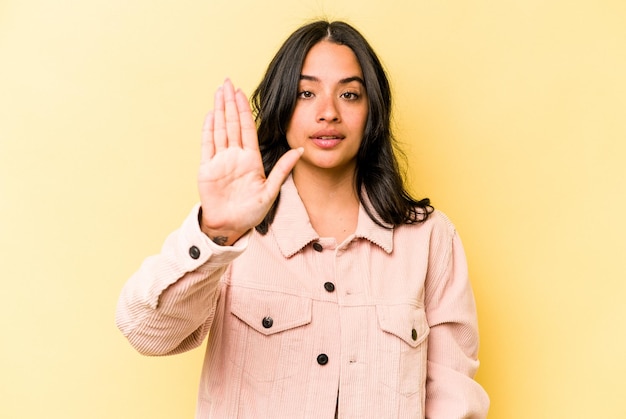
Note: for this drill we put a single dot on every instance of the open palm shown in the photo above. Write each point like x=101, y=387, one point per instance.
x=234, y=193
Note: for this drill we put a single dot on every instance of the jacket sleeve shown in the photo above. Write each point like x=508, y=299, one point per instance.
x=168, y=305
x=451, y=391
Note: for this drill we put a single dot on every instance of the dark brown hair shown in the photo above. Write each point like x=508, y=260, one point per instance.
x=377, y=170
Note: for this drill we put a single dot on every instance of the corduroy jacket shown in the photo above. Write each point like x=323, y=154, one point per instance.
x=382, y=325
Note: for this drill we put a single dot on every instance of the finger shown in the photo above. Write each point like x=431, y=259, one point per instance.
x=282, y=168
x=233, y=127
x=207, y=150
x=249, y=138
x=219, y=127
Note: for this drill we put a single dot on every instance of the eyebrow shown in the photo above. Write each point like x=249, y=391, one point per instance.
x=342, y=81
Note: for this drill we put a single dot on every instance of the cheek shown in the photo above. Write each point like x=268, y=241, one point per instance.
x=358, y=118
x=364, y=123
x=292, y=125
x=359, y=123
x=289, y=131
x=292, y=135
x=295, y=128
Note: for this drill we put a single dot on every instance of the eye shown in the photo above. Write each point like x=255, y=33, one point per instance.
x=305, y=94
x=350, y=95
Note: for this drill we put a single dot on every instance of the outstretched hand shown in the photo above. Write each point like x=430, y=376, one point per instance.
x=234, y=193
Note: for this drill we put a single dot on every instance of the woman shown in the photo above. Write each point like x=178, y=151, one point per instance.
x=324, y=288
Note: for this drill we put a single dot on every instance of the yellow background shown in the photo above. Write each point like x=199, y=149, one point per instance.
x=513, y=114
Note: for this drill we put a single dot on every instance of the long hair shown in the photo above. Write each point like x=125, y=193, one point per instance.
x=379, y=183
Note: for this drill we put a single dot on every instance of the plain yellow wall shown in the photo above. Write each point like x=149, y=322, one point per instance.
x=513, y=114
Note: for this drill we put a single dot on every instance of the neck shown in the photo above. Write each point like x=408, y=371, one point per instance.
x=322, y=186
x=331, y=201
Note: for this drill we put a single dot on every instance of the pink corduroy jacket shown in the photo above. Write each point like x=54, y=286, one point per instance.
x=382, y=325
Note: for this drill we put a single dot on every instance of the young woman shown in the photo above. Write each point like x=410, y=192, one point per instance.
x=324, y=288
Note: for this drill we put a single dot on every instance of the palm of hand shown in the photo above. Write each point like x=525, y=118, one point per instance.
x=235, y=194
x=235, y=178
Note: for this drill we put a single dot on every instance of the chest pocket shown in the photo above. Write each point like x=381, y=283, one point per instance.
x=268, y=330
x=403, y=347
x=406, y=322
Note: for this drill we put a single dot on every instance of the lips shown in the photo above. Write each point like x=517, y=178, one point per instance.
x=327, y=138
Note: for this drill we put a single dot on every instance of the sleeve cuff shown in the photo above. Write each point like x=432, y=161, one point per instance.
x=198, y=250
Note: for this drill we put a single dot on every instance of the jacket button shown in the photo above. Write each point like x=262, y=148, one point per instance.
x=414, y=334
x=267, y=322
x=317, y=247
x=194, y=252
x=322, y=359
x=329, y=286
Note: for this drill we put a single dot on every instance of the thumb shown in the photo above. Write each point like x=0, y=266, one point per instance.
x=282, y=168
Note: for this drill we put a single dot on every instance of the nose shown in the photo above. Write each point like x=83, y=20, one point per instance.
x=328, y=111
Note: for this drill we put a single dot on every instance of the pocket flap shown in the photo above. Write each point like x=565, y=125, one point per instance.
x=404, y=321
x=270, y=312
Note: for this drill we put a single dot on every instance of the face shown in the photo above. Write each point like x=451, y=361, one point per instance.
x=331, y=109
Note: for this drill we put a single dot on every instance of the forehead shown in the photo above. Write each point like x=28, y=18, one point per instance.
x=331, y=60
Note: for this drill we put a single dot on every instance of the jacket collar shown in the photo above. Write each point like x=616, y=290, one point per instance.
x=293, y=230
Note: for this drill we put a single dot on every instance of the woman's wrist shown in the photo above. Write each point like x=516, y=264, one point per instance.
x=221, y=237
